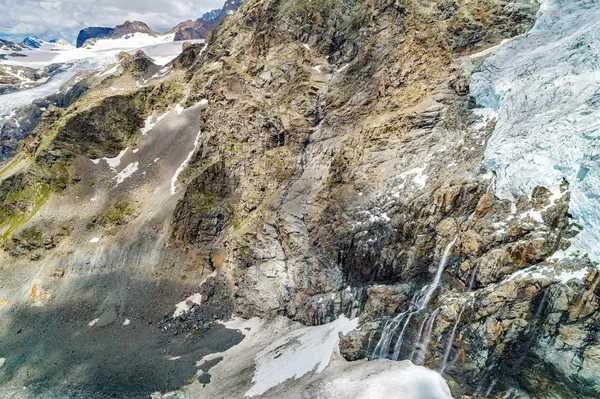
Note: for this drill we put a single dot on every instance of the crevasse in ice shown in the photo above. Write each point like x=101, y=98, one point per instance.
x=545, y=88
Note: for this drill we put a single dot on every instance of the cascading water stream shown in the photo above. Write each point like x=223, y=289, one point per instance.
x=451, y=340
x=423, y=344
x=418, y=347
x=417, y=304
x=472, y=278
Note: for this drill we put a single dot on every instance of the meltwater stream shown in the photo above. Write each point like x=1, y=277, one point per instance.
x=417, y=305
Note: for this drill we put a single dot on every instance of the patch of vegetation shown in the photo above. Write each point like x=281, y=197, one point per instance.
x=19, y=204
x=118, y=213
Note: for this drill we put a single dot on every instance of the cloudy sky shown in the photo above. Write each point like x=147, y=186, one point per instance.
x=49, y=19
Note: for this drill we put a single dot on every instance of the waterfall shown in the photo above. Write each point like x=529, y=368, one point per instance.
x=451, y=340
x=418, y=346
x=423, y=344
x=417, y=304
x=472, y=278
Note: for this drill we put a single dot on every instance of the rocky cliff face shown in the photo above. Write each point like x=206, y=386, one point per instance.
x=333, y=165
x=92, y=33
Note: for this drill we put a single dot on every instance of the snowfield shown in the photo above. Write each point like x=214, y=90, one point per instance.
x=305, y=350
x=279, y=358
x=545, y=88
x=96, y=56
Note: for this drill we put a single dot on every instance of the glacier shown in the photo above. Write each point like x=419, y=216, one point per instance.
x=545, y=90
x=97, y=56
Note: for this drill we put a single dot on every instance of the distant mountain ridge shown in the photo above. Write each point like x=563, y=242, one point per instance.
x=211, y=14
x=198, y=29
x=128, y=27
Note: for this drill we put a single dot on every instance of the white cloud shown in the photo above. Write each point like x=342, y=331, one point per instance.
x=49, y=19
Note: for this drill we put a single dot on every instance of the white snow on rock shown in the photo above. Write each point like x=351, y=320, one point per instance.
x=127, y=322
x=567, y=276
x=541, y=272
x=116, y=161
x=93, y=322
x=111, y=70
x=302, y=351
x=184, y=164
x=183, y=307
x=127, y=172
x=151, y=122
x=545, y=88
x=417, y=177
x=486, y=115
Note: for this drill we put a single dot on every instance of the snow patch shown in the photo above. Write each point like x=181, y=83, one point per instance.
x=126, y=173
x=127, y=322
x=184, y=164
x=2, y=361
x=298, y=353
x=418, y=178
x=91, y=323
x=183, y=307
x=539, y=272
x=342, y=68
x=150, y=123
x=116, y=161
x=567, y=276
x=110, y=71
x=95, y=239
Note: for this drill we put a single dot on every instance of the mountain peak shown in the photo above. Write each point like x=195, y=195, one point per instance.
x=32, y=42
x=126, y=28
x=200, y=28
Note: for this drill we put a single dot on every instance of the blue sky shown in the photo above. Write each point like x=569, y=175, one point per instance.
x=49, y=19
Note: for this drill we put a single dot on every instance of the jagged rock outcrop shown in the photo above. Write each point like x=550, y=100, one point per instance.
x=92, y=33
x=32, y=42
x=358, y=161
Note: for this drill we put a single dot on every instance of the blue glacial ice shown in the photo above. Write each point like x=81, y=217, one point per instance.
x=545, y=88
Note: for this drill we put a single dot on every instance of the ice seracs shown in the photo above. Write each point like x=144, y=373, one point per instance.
x=544, y=87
